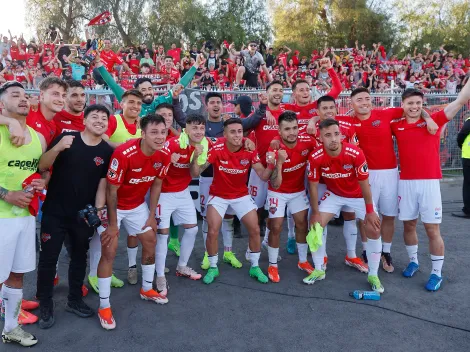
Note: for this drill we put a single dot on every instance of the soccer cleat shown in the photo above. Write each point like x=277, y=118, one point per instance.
x=93, y=281
x=175, y=246
x=115, y=282
x=387, y=263
x=316, y=275
x=186, y=271
x=229, y=257
x=106, y=318
x=411, y=269
x=161, y=285
x=273, y=274
x=291, y=245
x=56, y=279
x=19, y=336
x=434, y=283
x=210, y=276
x=375, y=284
x=205, y=262
x=132, y=275
x=356, y=263
x=305, y=266
x=256, y=272
x=364, y=256
x=84, y=291
x=29, y=305
x=25, y=317
x=152, y=295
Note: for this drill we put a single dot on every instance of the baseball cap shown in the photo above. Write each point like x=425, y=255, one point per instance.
x=245, y=103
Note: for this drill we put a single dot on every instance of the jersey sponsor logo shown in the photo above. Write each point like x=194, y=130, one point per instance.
x=181, y=166
x=363, y=169
x=66, y=122
x=245, y=162
x=270, y=128
x=376, y=123
x=317, y=153
x=136, y=181
x=114, y=164
x=347, y=167
x=157, y=165
x=31, y=165
x=224, y=162
x=128, y=150
x=303, y=122
x=68, y=130
x=137, y=170
x=231, y=171
x=355, y=152
x=38, y=125
x=98, y=161
x=325, y=168
x=296, y=167
x=401, y=129
x=335, y=175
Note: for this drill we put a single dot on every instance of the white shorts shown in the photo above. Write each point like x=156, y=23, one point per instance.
x=384, y=188
x=420, y=198
x=321, y=192
x=178, y=205
x=133, y=220
x=204, y=186
x=331, y=203
x=241, y=206
x=17, y=246
x=276, y=203
x=258, y=189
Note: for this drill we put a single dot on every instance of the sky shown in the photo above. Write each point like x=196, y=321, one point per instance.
x=15, y=21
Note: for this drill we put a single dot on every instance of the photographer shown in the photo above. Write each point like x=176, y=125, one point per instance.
x=80, y=161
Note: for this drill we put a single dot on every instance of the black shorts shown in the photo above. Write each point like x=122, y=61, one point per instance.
x=251, y=79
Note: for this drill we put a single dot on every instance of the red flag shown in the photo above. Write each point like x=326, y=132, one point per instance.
x=101, y=19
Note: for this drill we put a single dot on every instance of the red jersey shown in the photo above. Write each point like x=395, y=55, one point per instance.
x=175, y=54
x=66, y=122
x=346, y=127
x=418, y=149
x=50, y=47
x=15, y=52
x=283, y=58
x=179, y=175
x=135, y=172
x=375, y=137
x=174, y=75
x=341, y=173
x=109, y=59
x=112, y=125
x=265, y=134
x=293, y=169
x=35, y=58
x=38, y=122
x=230, y=171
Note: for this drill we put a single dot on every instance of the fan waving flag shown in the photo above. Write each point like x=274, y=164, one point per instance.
x=101, y=19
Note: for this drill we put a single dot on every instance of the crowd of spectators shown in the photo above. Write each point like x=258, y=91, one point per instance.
x=432, y=70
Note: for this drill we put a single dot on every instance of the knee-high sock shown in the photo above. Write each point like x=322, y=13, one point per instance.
x=254, y=258
x=266, y=235
x=11, y=298
x=227, y=233
x=104, y=287
x=147, y=276
x=187, y=245
x=350, y=236
x=318, y=256
x=302, y=249
x=413, y=253
x=95, y=253
x=437, y=263
x=161, y=251
x=272, y=255
x=132, y=255
x=374, y=251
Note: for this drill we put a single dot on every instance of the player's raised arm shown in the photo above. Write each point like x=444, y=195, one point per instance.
x=453, y=108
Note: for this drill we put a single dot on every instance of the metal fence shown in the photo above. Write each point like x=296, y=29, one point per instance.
x=192, y=100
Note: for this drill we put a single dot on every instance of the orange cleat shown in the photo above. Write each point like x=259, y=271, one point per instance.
x=26, y=318
x=84, y=291
x=106, y=318
x=305, y=266
x=273, y=273
x=356, y=263
x=29, y=305
x=152, y=295
x=56, y=279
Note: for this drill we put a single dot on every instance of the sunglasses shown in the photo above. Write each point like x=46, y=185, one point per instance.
x=253, y=45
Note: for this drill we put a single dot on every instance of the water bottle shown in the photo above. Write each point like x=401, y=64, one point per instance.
x=17, y=210
x=369, y=295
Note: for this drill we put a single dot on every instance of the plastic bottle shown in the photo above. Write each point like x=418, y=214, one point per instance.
x=368, y=295
x=17, y=210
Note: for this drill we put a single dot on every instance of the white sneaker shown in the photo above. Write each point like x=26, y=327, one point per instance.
x=188, y=272
x=162, y=286
x=19, y=336
x=132, y=276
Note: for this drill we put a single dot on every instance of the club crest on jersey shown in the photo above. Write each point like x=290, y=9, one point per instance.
x=244, y=162
x=304, y=152
x=272, y=210
x=347, y=167
x=157, y=165
x=376, y=123
x=114, y=164
x=98, y=161
x=421, y=124
x=45, y=237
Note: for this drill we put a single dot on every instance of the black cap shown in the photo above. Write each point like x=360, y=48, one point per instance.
x=245, y=103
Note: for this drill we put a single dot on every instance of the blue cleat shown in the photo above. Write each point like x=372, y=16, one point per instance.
x=434, y=283
x=291, y=245
x=411, y=269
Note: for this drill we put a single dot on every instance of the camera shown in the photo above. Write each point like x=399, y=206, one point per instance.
x=90, y=215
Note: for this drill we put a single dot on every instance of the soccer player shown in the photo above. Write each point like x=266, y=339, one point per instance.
x=70, y=119
x=343, y=167
x=418, y=189
x=215, y=129
x=17, y=228
x=176, y=202
x=231, y=165
x=375, y=137
x=135, y=166
x=286, y=188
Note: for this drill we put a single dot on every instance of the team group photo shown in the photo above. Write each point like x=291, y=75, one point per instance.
x=258, y=178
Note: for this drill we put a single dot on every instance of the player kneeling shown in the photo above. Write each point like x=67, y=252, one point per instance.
x=343, y=167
